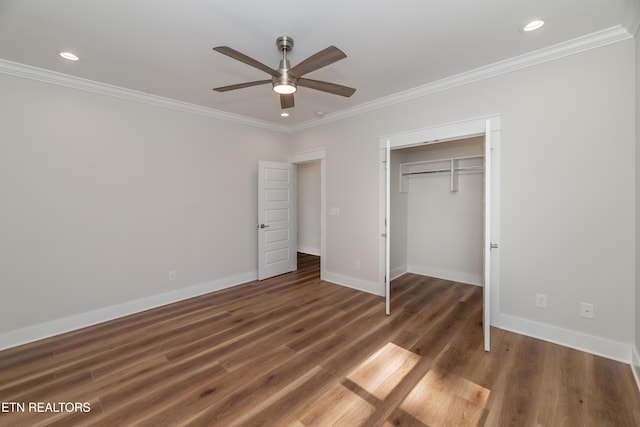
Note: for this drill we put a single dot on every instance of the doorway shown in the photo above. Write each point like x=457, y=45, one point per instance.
x=437, y=210
x=314, y=164
x=309, y=208
x=277, y=213
x=487, y=127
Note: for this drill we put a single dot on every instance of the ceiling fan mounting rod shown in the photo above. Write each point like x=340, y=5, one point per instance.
x=285, y=44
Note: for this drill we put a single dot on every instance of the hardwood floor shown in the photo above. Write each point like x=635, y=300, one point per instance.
x=296, y=351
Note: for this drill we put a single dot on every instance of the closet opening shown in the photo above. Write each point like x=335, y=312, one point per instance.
x=440, y=208
x=437, y=211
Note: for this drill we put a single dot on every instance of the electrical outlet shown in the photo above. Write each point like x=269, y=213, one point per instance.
x=586, y=310
x=172, y=275
x=541, y=300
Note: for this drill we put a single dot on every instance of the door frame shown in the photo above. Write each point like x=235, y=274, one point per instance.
x=310, y=156
x=436, y=134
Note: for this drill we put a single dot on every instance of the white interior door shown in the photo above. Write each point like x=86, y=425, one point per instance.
x=488, y=246
x=387, y=234
x=277, y=219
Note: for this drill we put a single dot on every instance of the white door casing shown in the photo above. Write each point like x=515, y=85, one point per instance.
x=321, y=156
x=277, y=219
x=490, y=128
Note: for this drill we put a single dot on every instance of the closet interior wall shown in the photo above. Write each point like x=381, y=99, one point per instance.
x=435, y=231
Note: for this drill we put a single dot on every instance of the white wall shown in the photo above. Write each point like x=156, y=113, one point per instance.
x=567, y=186
x=309, y=207
x=445, y=228
x=102, y=197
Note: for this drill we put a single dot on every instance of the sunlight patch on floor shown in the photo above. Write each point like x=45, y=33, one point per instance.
x=442, y=398
x=384, y=370
x=338, y=407
x=351, y=402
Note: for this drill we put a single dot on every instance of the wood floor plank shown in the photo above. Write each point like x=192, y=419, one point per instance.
x=287, y=408
x=563, y=405
x=135, y=407
x=433, y=403
x=270, y=383
x=213, y=392
x=294, y=350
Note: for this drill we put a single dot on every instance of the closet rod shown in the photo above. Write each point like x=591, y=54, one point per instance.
x=420, y=173
x=444, y=170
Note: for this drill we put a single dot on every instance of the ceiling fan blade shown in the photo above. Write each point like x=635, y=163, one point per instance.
x=286, y=101
x=232, y=53
x=327, y=87
x=317, y=61
x=240, y=85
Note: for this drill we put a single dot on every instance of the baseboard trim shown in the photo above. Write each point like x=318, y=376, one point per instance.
x=309, y=250
x=354, y=283
x=565, y=337
x=635, y=365
x=442, y=273
x=397, y=272
x=78, y=321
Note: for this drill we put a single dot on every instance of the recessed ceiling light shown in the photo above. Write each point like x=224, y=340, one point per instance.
x=284, y=114
x=70, y=56
x=533, y=25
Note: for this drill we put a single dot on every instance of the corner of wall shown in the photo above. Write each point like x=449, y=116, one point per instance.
x=632, y=14
x=354, y=283
x=635, y=365
x=398, y=271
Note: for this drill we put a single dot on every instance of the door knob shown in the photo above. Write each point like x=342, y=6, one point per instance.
x=263, y=226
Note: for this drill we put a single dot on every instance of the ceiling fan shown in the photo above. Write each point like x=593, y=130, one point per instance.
x=286, y=79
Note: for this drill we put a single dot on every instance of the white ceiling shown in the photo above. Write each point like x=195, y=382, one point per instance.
x=164, y=47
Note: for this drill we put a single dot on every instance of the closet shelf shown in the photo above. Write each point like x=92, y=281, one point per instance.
x=452, y=165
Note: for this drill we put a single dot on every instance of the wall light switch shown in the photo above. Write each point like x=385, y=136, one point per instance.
x=335, y=211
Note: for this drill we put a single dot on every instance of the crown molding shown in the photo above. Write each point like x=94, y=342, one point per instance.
x=557, y=51
x=53, y=77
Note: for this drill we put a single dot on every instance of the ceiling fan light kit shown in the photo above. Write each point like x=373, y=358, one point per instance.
x=285, y=79
x=284, y=87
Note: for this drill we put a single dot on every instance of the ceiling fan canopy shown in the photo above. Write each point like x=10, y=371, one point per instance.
x=286, y=79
